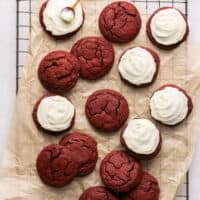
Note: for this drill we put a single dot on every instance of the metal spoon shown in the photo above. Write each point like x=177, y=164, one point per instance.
x=68, y=13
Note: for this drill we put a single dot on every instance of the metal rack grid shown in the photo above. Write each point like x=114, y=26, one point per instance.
x=23, y=20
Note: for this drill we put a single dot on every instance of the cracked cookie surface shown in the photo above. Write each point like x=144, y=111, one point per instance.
x=120, y=172
x=107, y=110
x=59, y=71
x=97, y=193
x=55, y=165
x=96, y=57
x=84, y=149
x=120, y=22
x=148, y=189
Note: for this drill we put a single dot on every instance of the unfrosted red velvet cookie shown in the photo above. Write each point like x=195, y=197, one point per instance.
x=139, y=66
x=170, y=104
x=141, y=138
x=167, y=27
x=59, y=71
x=148, y=189
x=120, y=172
x=53, y=113
x=50, y=32
x=107, y=110
x=120, y=22
x=84, y=149
x=97, y=193
x=96, y=57
x=56, y=166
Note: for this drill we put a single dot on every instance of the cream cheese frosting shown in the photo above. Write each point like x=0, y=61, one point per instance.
x=141, y=136
x=168, y=26
x=58, y=20
x=55, y=113
x=169, y=105
x=137, y=66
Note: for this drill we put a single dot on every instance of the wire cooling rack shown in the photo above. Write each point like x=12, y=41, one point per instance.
x=23, y=16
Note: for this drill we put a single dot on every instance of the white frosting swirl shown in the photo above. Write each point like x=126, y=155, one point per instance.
x=169, y=106
x=57, y=21
x=55, y=113
x=137, y=66
x=141, y=136
x=168, y=26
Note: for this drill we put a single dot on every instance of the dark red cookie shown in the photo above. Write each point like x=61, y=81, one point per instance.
x=120, y=22
x=56, y=166
x=59, y=71
x=107, y=110
x=35, y=118
x=157, y=61
x=96, y=57
x=190, y=104
x=84, y=148
x=148, y=189
x=48, y=32
x=97, y=193
x=120, y=172
x=140, y=156
x=149, y=33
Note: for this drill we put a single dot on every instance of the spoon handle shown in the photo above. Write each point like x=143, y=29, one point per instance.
x=75, y=4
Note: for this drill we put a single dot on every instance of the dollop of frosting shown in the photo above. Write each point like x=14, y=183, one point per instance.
x=169, y=105
x=168, y=26
x=67, y=15
x=58, y=20
x=55, y=113
x=137, y=66
x=141, y=136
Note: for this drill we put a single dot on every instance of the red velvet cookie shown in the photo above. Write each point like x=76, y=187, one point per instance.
x=59, y=71
x=170, y=105
x=96, y=57
x=56, y=166
x=120, y=22
x=97, y=193
x=141, y=138
x=62, y=36
x=148, y=189
x=120, y=172
x=178, y=29
x=106, y=110
x=139, y=66
x=50, y=117
x=84, y=148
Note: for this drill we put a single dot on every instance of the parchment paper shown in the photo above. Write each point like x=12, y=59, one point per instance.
x=19, y=180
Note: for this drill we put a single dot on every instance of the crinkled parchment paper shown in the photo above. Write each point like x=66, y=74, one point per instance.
x=19, y=180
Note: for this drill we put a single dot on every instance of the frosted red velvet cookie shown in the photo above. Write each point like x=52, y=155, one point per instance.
x=106, y=110
x=58, y=71
x=148, y=189
x=120, y=22
x=120, y=172
x=53, y=113
x=170, y=104
x=141, y=138
x=97, y=193
x=84, y=149
x=56, y=166
x=139, y=66
x=167, y=27
x=60, y=22
x=96, y=56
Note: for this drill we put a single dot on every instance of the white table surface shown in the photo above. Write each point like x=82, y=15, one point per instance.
x=8, y=74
